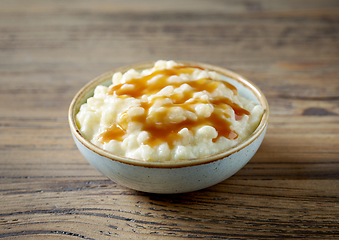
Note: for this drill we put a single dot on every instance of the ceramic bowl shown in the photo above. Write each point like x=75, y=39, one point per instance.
x=171, y=177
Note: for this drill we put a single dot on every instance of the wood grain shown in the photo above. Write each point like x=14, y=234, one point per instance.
x=49, y=49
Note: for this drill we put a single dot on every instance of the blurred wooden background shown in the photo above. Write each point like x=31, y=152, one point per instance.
x=50, y=49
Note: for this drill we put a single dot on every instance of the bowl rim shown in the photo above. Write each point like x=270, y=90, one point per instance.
x=168, y=164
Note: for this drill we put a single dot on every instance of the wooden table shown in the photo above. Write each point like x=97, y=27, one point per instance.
x=49, y=49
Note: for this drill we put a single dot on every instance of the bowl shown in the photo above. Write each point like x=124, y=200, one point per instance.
x=171, y=177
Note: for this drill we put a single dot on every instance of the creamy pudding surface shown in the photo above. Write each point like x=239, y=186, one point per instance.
x=171, y=112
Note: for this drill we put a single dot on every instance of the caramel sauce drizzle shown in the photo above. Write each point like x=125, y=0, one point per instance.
x=161, y=131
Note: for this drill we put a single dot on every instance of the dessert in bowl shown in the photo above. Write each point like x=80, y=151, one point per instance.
x=168, y=127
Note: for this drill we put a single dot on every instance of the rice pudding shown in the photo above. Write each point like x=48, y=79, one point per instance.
x=171, y=112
